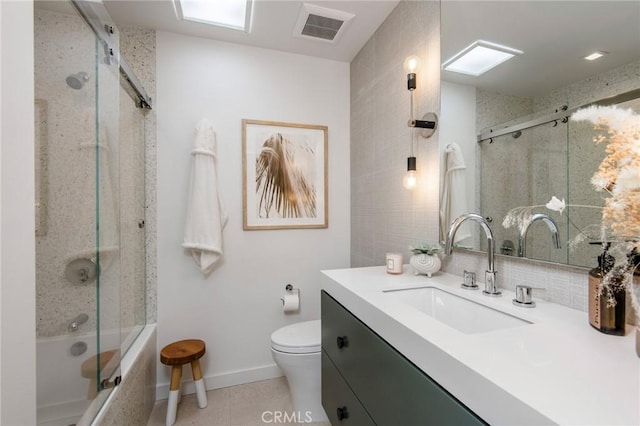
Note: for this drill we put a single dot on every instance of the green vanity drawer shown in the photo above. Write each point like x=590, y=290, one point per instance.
x=392, y=390
x=340, y=404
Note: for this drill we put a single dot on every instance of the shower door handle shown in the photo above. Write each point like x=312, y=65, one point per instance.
x=108, y=384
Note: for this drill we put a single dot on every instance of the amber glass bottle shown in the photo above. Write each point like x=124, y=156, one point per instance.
x=634, y=265
x=607, y=300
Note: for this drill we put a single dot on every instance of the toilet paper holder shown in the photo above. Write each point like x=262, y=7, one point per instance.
x=290, y=289
x=291, y=300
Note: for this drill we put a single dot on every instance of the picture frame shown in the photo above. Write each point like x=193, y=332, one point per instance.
x=284, y=175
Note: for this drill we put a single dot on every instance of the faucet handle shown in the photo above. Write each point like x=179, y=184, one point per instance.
x=523, y=296
x=469, y=281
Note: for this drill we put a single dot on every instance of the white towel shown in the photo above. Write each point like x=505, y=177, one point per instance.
x=206, y=216
x=454, y=194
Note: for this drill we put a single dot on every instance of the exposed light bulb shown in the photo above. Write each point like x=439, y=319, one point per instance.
x=410, y=179
x=412, y=63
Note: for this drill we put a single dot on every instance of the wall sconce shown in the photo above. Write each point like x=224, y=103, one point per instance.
x=428, y=123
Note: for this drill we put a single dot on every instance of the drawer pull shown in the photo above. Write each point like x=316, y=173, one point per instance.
x=342, y=342
x=342, y=413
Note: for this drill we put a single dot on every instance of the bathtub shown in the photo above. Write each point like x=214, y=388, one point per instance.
x=62, y=391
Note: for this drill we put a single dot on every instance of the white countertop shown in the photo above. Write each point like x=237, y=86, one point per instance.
x=556, y=370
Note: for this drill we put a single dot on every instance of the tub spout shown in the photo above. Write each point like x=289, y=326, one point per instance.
x=490, y=283
x=75, y=323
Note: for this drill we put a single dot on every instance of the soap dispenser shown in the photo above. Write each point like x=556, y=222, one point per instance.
x=607, y=300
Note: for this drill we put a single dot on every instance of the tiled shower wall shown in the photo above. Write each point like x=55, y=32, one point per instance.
x=66, y=172
x=138, y=47
x=385, y=217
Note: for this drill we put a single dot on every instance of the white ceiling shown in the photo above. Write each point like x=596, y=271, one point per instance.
x=272, y=24
x=554, y=35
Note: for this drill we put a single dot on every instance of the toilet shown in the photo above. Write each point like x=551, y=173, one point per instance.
x=296, y=350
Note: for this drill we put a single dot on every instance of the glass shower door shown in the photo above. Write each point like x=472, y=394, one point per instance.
x=132, y=216
x=107, y=194
x=525, y=168
x=77, y=214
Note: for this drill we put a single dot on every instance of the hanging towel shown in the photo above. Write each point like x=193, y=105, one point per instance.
x=454, y=194
x=206, y=216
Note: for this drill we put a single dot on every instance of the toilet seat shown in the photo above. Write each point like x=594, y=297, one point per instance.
x=300, y=338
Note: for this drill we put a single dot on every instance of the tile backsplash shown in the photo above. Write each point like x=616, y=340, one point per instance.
x=561, y=284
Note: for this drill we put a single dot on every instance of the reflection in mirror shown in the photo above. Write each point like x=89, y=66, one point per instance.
x=509, y=126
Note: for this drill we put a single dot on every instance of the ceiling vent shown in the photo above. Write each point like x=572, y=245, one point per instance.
x=320, y=23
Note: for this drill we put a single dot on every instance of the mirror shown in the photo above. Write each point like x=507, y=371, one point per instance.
x=506, y=140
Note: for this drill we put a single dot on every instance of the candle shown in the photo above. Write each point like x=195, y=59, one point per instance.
x=394, y=263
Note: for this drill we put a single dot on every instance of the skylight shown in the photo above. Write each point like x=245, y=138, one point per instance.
x=234, y=14
x=479, y=57
x=595, y=55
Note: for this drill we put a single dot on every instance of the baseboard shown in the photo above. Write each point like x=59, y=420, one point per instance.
x=224, y=380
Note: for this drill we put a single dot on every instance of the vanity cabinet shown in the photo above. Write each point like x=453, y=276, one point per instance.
x=340, y=404
x=366, y=381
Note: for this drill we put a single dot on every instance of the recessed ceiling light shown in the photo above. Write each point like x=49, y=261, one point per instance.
x=595, y=55
x=479, y=57
x=234, y=14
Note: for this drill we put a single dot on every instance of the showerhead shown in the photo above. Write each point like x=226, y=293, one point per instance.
x=516, y=134
x=77, y=80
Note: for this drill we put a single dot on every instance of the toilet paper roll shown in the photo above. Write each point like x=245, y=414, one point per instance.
x=291, y=302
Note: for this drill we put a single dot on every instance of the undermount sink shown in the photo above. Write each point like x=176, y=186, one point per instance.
x=462, y=314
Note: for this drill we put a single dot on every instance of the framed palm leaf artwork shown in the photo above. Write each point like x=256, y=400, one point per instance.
x=284, y=179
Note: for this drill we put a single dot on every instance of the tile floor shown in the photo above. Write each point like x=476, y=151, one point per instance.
x=241, y=405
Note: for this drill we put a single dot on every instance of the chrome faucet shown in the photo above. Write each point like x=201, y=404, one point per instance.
x=522, y=240
x=490, y=284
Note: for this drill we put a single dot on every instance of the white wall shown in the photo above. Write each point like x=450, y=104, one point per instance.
x=17, y=244
x=237, y=307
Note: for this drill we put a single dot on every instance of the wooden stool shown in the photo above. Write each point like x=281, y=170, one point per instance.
x=89, y=370
x=176, y=355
